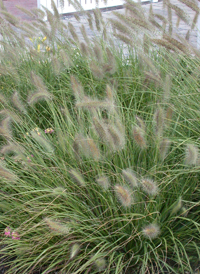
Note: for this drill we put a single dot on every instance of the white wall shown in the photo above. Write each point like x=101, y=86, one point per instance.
x=86, y=4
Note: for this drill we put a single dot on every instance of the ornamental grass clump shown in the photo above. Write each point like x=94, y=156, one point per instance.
x=99, y=152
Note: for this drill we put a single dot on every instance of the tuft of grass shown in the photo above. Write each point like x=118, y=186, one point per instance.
x=100, y=143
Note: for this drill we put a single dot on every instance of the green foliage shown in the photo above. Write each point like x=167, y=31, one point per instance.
x=99, y=151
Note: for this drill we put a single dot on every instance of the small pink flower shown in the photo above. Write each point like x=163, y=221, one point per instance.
x=15, y=236
x=49, y=130
x=7, y=231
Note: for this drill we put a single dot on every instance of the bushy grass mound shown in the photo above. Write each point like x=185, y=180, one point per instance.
x=99, y=146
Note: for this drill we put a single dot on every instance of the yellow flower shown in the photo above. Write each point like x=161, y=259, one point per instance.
x=48, y=48
x=44, y=39
x=38, y=48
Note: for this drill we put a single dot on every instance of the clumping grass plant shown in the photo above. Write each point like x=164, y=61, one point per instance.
x=99, y=143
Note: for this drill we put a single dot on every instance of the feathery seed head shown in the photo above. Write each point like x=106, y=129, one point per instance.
x=84, y=33
x=178, y=205
x=168, y=116
x=158, y=122
x=89, y=103
x=124, y=195
x=74, y=250
x=100, y=128
x=77, y=177
x=42, y=141
x=164, y=148
x=5, y=128
x=151, y=231
x=130, y=177
x=84, y=49
x=149, y=186
x=17, y=102
x=140, y=123
x=100, y=264
x=103, y=181
x=138, y=135
x=57, y=227
x=191, y=154
x=7, y=174
x=98, y=53
x=77, y=88
x=11, y=148
x=167, y=88
x=116, y=137
x=96, y=70
x=73, y=32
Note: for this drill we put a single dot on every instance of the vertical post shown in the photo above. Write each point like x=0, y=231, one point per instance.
x=198, y=28
x=38, y=4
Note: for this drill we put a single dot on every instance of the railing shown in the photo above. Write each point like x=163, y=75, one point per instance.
x=86, y=4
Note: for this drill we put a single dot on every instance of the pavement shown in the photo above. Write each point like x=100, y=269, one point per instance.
x=157, y=8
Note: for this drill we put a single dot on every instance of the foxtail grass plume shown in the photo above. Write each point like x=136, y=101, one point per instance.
x=177, y=206
x=96, y=70
x=100, y=264
x=149, y=186
x=191, y=4
x=77, y=177
x=9, y=114
x=167, y=88
x=87, y=147
x=11, y=148
x=41, y=93
x=73, y=32
x=7, y=174
x=98, y=18
x=13, y=20
x=191, y=155
x=89, y=103
x=140, y=123
x=27, y=12
x=130, y=177
x=66, y=59
x=98, y=53
x=84, y=33
x=168, y=116
x=110, y=94
x=74, y=250
x=38, y=96
x=42, y=141
x=139, y=137
x=101, y=129
x=57, y=226
x=5, y=129
x=158, y=120
x=103, y=181
x=151, y=231
x=116, y=137
x=77, y=88
x=90, y=20
x=124, y=195
x=94, y=151
x=180, y=46
x=55, y=10
x=18, y=103
x=84, y=49
x=111, y=61
x=56, y=65
x=164, y=148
